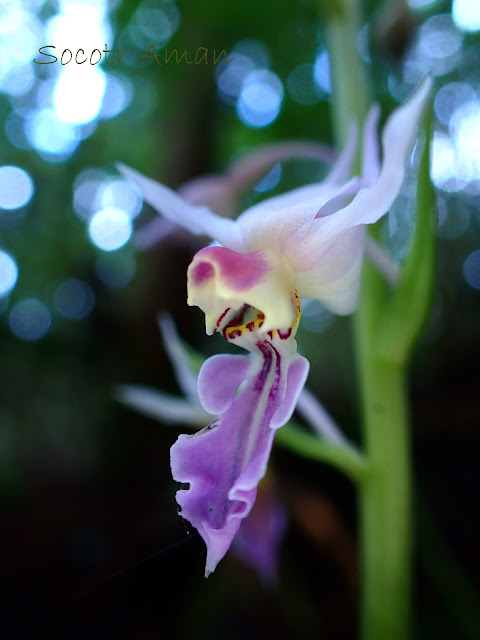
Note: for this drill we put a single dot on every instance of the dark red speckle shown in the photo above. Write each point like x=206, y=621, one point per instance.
x=222, y=316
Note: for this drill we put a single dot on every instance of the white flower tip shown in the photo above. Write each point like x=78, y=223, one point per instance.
x=410, y=112
x=125, y=171
x=426, y=85
x=124, y=393
x=402, y=125
x=134, y=176
x=422, y=93
x=133, y=396
x=165, y=323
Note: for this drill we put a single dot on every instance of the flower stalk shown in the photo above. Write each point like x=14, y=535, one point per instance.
x=383, y=343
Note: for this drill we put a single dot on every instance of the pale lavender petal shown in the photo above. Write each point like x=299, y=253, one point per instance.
x=318, y=418
x=153, y=232
x=261, y=532
x=370, y=168
x=215, y=192
x=282, y=224
x=219, y=379
x=162, y=406
x=199, y=220
x=220, y=192
x=399, y=133
x=225, y=461
x=178, y=355
x=371, y=154
x=296, y=378
x=382, y=261
x=331, y=272
x=342, y=169
x=341, y=198
x=271, y=222
x=252, y=165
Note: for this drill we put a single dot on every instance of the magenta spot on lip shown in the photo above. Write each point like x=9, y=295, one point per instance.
x=239, y=271
x=202, y=271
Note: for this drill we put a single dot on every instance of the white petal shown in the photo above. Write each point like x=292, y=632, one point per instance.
x=214, y=192
x=332, y=273
x=370, y=155
x=153, y=232
x=250, y=167
x=162, y=406
x=199, y=220
x=318, y=418
x=178, y=355
x=384, y=263
x=342, y=169
x=341, y=198
x=271, y=223
x=399, y=133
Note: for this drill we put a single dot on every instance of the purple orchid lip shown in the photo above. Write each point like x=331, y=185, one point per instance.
x=254, y=395
x=224, y=462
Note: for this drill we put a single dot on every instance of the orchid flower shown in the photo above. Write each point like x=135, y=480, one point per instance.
x=308, y=242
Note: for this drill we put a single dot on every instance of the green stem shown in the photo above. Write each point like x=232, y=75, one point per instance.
x=348, y=77
x=344, y=457
x=385, y=498
x=385, y=493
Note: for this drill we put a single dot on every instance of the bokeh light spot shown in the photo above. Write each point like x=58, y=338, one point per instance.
x=116, y=269
x=302, y=85
x=261, y=98
x=465, y=128
x=466, y=14
x=321, y=71
x=110, y=229
x=30, y=319
x=16, y=187
x=74, y=299
x=8, y=273
x=117, y=96
x=471, y=269
x=50, y=135
x=78, y=95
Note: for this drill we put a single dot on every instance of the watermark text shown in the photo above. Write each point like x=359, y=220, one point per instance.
x=201, y=55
